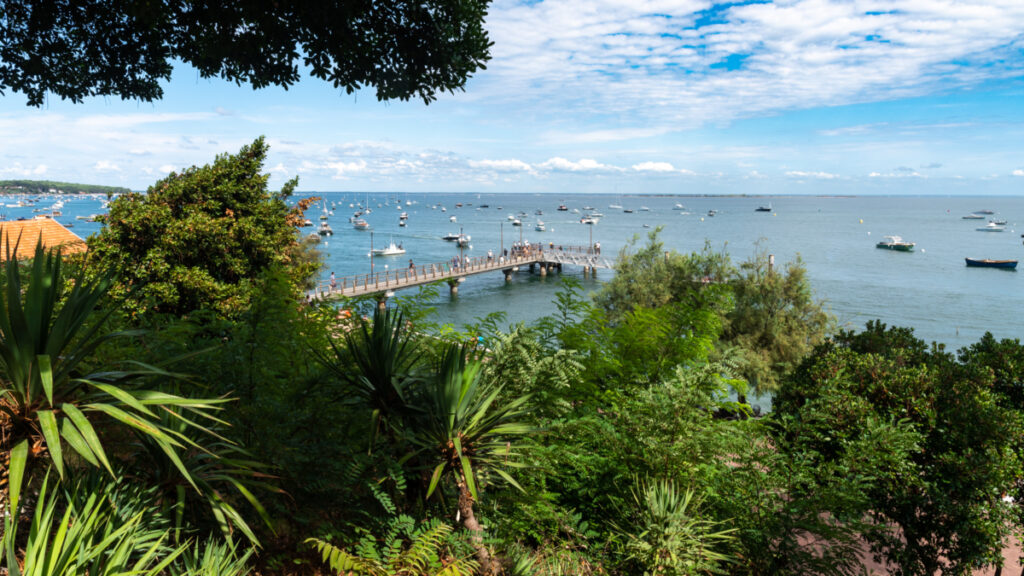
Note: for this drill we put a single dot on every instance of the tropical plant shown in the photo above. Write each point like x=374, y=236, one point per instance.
x=82, y=533
x=669, y=536
x=466, y=435
x=378, y=365
x=47, y=331
x=212, y=558
x=405, y=550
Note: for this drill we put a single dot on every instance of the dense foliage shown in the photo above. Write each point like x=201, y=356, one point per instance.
x=124, y=48
x=45, y=187
x=201, y=239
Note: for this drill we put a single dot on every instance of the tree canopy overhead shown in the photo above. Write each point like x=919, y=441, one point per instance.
x=125, y=48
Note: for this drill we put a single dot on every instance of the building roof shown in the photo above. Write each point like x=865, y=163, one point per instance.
x=53, y=234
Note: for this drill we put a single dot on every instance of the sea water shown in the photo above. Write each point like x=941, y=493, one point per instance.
x=929, y=289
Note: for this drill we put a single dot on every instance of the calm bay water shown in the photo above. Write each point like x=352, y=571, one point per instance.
x=929, y=289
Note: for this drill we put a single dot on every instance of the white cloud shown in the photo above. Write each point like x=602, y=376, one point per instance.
x=167, y=168
x=511, y=165
x=583, y=165
x=654, y=167
x=344, y=169
x=106, y=166
x=817, y=175
x=18, y=170
x=1018, y=172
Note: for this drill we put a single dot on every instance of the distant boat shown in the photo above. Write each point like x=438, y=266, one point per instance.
x=712, y=212
x=360, y=224
x=991, y=227
x=679, y=207
x=563, y=208
x=987, y=263
x=403, y=216
x=895, y=243
x=401, y=223
x=986, y=212
x=539, y=227
x=645, y=209
x=767, y=208
x=973, y=217
x=517, y=222
x=391, y=249
x=615, y=206
x=998, y=222
x=452, y=219
x=627, y=210
x=588, y=220
x=325, y=229
x=450, y=237
x=462, y=240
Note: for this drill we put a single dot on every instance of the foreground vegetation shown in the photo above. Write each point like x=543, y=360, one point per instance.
x=169, y=406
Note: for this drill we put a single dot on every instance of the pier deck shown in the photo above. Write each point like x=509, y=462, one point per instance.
x=454, y=270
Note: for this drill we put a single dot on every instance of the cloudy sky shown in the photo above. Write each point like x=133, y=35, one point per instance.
x=629, y=96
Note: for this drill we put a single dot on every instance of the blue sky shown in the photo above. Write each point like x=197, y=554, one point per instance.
x=633, y=96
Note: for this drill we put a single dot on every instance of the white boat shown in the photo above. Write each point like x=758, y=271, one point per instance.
x=462, y=240
x=450, y=237
x=973, y=217
x=325, y=229
x=595, y=215
x=895, y=243
x=991, y=227
x=615, y=206
x=517, y=222
x=679, y=207
x=403, y=216
x=511, y=216
x=452, y=219
x=588, y=220
x=391, y=249
x=539, y=227
x=360, y=224
x=645, y=209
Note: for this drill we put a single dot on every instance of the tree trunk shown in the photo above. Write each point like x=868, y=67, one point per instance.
x=476, y=532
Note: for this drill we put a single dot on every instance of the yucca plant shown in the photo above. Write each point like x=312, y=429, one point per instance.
x=47, y=330
x=80, y=533
x=467, y=435
x=378, y=363
x=405, y=550
x=669, y=536
x=212, y=558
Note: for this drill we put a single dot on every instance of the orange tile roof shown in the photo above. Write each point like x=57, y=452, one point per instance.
x=51, y=231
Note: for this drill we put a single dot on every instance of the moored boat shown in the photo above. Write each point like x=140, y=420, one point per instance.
x=991, y=227
x=540, y=226
x=360, y=224
x=989, y=263
x=972, y=217
x=895, y=243
x=767, y=208
x=391, y=249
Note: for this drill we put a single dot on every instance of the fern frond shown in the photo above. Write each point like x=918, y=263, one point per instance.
x=342, y=562
x=422, y=551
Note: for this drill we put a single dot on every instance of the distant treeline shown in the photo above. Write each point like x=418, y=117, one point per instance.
x=48, y=187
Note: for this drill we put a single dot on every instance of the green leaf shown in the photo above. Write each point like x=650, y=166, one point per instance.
x=46, y=376
x=434, y=478
x=48, y=424
x=88, y=433
x=15, y=474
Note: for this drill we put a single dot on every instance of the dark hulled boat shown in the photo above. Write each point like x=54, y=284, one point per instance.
x=988, y=263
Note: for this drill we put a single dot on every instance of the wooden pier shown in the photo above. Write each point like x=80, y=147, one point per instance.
x=454, y=271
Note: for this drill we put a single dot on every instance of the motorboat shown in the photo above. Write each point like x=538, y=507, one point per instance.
x=679, y=207
x=767, y=208
x=452, y=219
x=462, y=240
x=991, y=227
x=325, y=229
x=895, y=243
x=595, y=215
x=973, y=217
x=998, y=222
x=988, y=263
x=360, y=224
x=391, y=249
x=627, y=210
x=538, y=212
x=401, y=223
x=539, y=227
x=403, y=216
x=517, y=222
x=712, y=212
x=985, y=212
x=511, y=217
x=588, y=220
x=451, y=237
x=563, y=208
x=645, y=209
